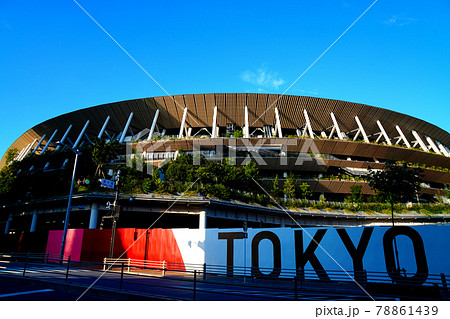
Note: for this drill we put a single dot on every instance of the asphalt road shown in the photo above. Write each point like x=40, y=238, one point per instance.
x=12, y=289
x=48, y=282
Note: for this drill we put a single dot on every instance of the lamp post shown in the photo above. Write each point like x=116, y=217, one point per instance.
x=245, y=227
x=115, y=216
x=69, y=203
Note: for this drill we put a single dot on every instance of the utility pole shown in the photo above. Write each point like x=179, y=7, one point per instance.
x=395, y=239
x=115, y=216
x=69, y=202
x=245, y=228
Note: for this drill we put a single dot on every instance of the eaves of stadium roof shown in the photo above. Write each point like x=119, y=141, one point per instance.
x=301, y=114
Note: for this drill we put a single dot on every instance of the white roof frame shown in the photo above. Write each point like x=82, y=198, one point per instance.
x=75, y=145
x=402, y=136
x=103, y=127
x=152, y=128
x=214, y=123
x=433, y=146
x=419, y=140
x=386, y=137
x=336, y=127
x=308, y=124
x=278, y=123
x=183, y=121
x=125, y=129
x=246, y=128
x=361, y=129
x=48, y=142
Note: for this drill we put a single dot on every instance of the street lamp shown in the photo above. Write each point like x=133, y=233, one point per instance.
x=69, y=203
x=115, y=216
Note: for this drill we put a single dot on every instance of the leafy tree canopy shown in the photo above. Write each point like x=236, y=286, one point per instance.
x=10, y=155
x=395, y=183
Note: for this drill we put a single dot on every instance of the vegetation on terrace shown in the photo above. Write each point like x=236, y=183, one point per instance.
x=29, y=180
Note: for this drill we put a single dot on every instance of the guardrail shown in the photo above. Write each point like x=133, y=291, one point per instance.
x=290, y=283
x=362, y=277
x=45, y=257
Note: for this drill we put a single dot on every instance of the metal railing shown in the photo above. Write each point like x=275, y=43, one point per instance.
x=140, y=275
x=268, y=273
x=44, y=257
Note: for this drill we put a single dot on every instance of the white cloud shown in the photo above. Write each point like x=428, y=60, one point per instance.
x=263, y=78
x=399, y=20
x=305, y=92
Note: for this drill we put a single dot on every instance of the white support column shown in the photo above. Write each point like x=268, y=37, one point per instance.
x=304, y=131
x=386, y=137
x=75, y=145
x=379, y=137
x=446, y=148
x=38, y=144
x=8, y=224
x=308, y=124
x=125, y=129
x=246, y=128
x=183, y=121
x=152, y=128
x=48, y=142
x=22, y=152
x=27, y=150
x=403, y=136
x=332, y=132
x=433, y=146
x=94, y=216
x=131, y=131
x=278, y=123
x=357, y=134
x=138, y=136
x=64, y=136
x=442, y=148
x=361, y=128
x=103, y=127
x=338, y=131
x=34, y=221
x=214, y=123
x=419, y=140
x=202, y=220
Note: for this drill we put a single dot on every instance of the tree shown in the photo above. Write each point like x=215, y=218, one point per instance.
x=394, y=184
x=7, y=178
x=209, y=173
x=11, y=155
x=356, y=196
x=305, y=190
x=102, y=153
x=276, y=191
x=181, y=169
x=251, y=171
x=8, y=174
x=238, y=133
x=154, y=182
x=289, y=188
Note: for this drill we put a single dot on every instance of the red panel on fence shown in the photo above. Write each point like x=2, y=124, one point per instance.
x=162, y=245
x=131, y=240
x=73, y=247
x=94, y=245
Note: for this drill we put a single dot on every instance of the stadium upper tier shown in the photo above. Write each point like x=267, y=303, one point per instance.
x=256, y=115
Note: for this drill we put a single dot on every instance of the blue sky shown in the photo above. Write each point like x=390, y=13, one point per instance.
x=54, y=59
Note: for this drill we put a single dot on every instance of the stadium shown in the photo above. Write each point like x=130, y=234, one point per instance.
x=330, y=145
x=349, y=137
